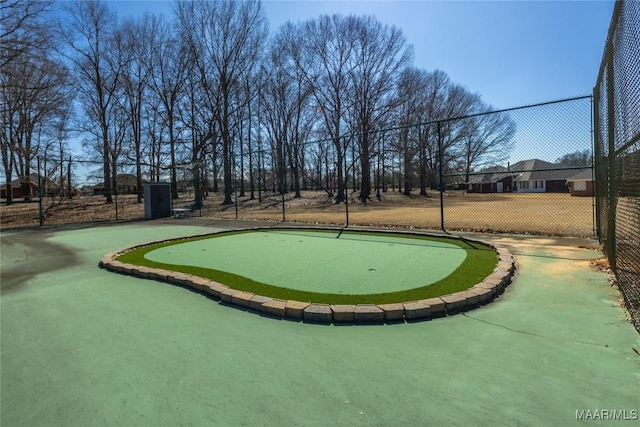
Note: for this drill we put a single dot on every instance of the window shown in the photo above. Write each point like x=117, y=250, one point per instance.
x=579, y=185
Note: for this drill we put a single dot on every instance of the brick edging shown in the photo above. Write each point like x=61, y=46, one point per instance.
x=481, y=293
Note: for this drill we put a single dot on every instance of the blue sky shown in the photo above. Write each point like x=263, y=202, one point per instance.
x=510, y=52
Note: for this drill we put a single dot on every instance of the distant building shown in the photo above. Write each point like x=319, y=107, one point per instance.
x=126, y=183
x=494, y=180
x=527, y=176
x=581, y=184
x=18, y=186
x=538, y=176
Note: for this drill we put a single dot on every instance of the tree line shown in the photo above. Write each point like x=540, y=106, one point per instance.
x=322, y=103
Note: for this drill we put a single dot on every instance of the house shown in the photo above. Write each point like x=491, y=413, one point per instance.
x=538, y=176
x=496, y=179
x=527, y=176
x=17, y=188
x=582, y=184
x=126, y=182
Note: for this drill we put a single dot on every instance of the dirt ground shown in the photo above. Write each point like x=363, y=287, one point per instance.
x=546, y=214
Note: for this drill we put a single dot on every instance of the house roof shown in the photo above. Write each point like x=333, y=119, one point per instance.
x=492, y=174
x=536, y=169
x=33, y=179
x=583, y=175
x=530, y=170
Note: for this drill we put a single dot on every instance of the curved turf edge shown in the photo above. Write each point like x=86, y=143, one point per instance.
x=480, y=262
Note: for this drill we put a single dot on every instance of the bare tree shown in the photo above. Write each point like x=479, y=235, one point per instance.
x=166, y=60
x=326, y=61
x=380, y=53
x=25, y=82
x=136, y=37
x=22, y=29
x=421, y=100
x=93, y=49
x=410, y=93
x=429, y=104
x=487, y=140
x=34, y=91
x=577, y=158
x=286, y=96
x=226, y=39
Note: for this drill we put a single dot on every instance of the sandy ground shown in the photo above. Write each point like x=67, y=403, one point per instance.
x=548, y=214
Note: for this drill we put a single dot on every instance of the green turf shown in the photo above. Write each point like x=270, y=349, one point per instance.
x=317, y=261
x=83, y=347
x=314, y=266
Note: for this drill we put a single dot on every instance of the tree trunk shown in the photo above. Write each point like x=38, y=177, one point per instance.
x=69, y=185
x=340, y=172
x=423, y=169
x=365, y=164
x=407, y=173
x=174, y=172
x=107, y=169
x=227, y=172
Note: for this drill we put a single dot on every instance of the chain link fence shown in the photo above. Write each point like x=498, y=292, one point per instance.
x=542, y=185
x=617, y=152
x=524, y=170
x=49, y=197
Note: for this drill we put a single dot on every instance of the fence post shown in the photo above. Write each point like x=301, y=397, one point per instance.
x=597, y=162
x=346, y=179
x=612, y=184
x=69, y=187
x=235, y=191
x=282, y=181
x=115, y=194
x=40, y=212
x=441, y=177
x=197, y=187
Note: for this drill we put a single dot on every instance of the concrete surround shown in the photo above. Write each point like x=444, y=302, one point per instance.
x=482, y=293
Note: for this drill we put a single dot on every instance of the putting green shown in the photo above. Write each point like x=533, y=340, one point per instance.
x=82, y=346
x=315, y=261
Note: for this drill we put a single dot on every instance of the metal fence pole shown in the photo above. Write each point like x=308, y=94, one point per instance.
x=235, y=192
x=282, y=181
x=40, y=211
x=597, y=162
x=612, y=196
x=346, y=179
x=441, y=178
x=115, y=194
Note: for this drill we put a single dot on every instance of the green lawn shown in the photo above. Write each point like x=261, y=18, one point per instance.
x=401, y=267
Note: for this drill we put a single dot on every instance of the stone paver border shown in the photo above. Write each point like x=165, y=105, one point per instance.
x=482, y=293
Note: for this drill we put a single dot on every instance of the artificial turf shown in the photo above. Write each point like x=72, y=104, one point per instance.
x=480, y=260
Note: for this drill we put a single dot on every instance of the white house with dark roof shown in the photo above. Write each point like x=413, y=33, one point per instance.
x=527, y=176
x=538, y=176
x=496, y=179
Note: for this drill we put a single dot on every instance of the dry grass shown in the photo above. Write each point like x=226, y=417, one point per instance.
x=80, y=209
x=600, y=264
x=551, y=214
